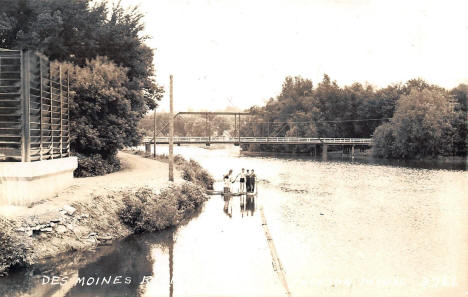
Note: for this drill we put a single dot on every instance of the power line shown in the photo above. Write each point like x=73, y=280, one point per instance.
x=330, y=121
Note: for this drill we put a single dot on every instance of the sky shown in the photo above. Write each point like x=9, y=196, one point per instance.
x=237, y=53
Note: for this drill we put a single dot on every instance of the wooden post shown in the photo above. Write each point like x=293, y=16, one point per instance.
x=235, y=124
x=154, y=135
x=209, y=128
x=171, y=131
x=268, y=135
x=239, y=128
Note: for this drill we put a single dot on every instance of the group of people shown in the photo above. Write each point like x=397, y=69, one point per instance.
x=246, y=181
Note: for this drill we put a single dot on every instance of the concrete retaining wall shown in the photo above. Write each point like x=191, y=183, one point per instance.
x=22, y=183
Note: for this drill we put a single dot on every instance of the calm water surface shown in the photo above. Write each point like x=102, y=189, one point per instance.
x=340, y=228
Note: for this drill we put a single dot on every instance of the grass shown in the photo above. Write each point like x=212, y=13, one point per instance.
x=12, y=250
x=191, y=170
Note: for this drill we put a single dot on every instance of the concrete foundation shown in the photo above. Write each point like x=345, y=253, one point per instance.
x=22, y=183
x=148, y=148
x=324, y=151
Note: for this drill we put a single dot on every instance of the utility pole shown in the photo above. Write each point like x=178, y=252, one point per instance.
x=171, y=131
x=238, y=132
x=154, y=134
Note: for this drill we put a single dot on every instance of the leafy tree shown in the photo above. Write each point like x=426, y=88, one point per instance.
x=362, y=111
x=420, y=127
x=193, y=125
x=101, y=114
x=78, y=31
x=460, y=119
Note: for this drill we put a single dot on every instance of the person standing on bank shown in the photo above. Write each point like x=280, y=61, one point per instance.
x=252, y=181
x=247, y=181
x=242, y=181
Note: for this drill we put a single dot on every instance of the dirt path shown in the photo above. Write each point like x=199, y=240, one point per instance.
x=136, y=172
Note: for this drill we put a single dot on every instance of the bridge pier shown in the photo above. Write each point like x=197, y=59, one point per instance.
x=313, y=152
x=148, y=148
x=324, y=151
x=352, y=150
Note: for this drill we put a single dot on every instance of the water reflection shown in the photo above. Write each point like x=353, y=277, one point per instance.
x=334, y=221
x=227, y=205
x=129, y=260
x=247, y=205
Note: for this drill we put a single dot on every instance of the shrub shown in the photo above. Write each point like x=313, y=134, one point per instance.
x=146, y=211
x=12, y=250
x=95, y=165
x=192, y=171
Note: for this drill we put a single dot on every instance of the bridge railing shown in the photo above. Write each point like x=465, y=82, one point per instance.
x=286, y=140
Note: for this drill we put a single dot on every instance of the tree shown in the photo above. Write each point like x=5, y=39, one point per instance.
x=100, y=113
x=420, y=127
x=460, y=119
x=78, y=31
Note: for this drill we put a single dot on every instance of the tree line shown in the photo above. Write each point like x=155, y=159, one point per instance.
x=111, y=69
x=406, y=120
x=188, y=125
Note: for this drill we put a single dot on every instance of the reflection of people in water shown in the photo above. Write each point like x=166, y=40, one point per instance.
x=250, y=205
x=247, y=206
x=227, y=206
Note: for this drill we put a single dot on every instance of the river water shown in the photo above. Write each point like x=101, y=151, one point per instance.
x=340, y=227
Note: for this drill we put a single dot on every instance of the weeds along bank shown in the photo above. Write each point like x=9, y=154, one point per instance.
x=191, y=170
x=86, y=224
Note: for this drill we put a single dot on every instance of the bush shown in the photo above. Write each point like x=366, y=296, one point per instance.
x=383, y=141
x=146, y=211
x=192, y=171
x=95, y=165
x=12, y=251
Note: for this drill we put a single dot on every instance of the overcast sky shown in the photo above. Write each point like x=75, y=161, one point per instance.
x=238, y=52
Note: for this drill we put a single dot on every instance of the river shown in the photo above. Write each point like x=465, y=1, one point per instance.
x=340, y=227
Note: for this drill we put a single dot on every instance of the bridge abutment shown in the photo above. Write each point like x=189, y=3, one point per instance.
x=324, y=151
x=148, y=148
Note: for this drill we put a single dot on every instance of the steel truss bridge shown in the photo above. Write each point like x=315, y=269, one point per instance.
x=238, y=139
x=260, y=140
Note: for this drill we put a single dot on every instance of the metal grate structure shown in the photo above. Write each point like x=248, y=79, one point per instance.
x=34, y=108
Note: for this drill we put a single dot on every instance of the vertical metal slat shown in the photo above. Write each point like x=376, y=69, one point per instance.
x=68, y=112
x=51, y=115
x=25, y=104
x=61, y=112
x=41, y=108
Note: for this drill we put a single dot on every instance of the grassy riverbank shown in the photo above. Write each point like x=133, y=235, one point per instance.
x=97, y=210
x=191, y=170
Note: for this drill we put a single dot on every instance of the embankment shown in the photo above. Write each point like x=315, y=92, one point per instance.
x=97, y=210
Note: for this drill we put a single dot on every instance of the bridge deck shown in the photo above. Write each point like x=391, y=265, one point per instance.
x=262, y=140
